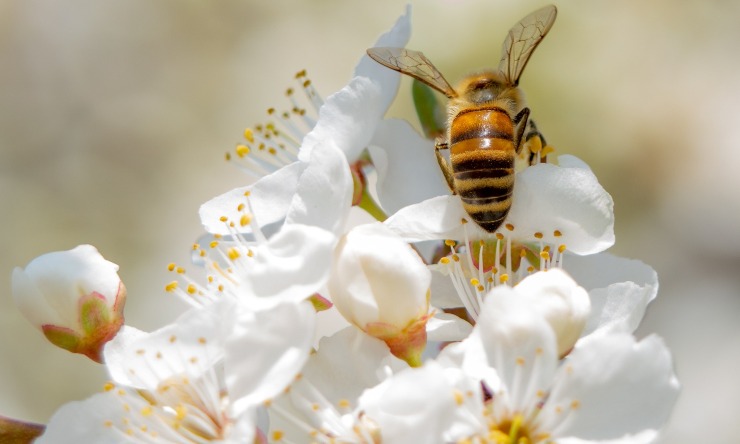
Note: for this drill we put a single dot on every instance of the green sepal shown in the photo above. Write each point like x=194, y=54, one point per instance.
x=62, y=337
x=319, y=302
x=430, y=111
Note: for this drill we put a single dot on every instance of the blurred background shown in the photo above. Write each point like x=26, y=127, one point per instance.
x=115, y=116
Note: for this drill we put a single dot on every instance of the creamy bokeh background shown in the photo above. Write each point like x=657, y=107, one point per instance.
x=114, y=117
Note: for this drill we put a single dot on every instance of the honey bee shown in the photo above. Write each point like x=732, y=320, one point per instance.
x=486, y=119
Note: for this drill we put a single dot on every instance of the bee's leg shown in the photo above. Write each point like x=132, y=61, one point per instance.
x=520, y=124
x=536, y=144
x=444, y=165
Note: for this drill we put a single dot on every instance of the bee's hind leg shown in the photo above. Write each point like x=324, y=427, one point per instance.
x=536, y=144
x=444, y=165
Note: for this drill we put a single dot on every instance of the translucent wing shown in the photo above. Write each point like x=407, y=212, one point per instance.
x=522, y=40
x=414, y=64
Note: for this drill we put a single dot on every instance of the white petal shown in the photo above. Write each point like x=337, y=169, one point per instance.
x=620, y=289
x=416, y=405
x=331, y=373
x=348, y=118
x=190, y=346
x=388, y=79
x=270, y=198
x=621, y=387
x=409, y=172
x=85, y=421
x=293, y=264
x=324, y=192
x=519, y=344
x=115, y=355
x=446, y=327
x=444, y=294
x=266, y=351
x=570, y=161
x=433, y=219
x=570, y=200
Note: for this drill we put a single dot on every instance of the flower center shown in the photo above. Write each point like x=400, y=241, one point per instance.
x=477, y=266
x=272, y=145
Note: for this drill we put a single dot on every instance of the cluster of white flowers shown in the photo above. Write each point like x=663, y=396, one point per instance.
x=322, y=319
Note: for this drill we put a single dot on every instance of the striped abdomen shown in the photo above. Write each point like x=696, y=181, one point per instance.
x=482, y=155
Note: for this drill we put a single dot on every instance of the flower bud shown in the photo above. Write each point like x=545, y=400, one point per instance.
x=558, y=298
x=380, y=284
x=75, y=297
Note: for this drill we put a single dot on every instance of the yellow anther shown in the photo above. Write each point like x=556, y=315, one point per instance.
x=499, y=236
x=169, y=288
x=456, y=258
x=181, y=411
x=575, y=404
x=522, y=253
x=245, y=220
x=306, y=83
x=343, y=404
x=557, y=233
x=223, y=218
x=301, y=73
x=520, y=361
x=289, y=92
x=504, y=278
x=227, y=156
x=213, y=244
x=272, y=151
x=240, y=207
x=277, y=435
x=450, y=242
x=463, y=221
x=171, y=266
x=180, y=270
x=547, y=248
x=474, y=282
x=270, y=111
x=538, y=235
x=146, y=410
x=242, y=150
x=445, y=260
x=561, y=248
x=249, y=135
x=109, y=386
x=234, y=254
x=509, y=227
x=480, y=288
x=247, y=193
x=545, y=255
x=191, y=289
x=530, y=269
x=459, y=397
x=217, y=236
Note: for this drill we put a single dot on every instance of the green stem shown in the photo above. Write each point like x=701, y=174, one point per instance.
x=368, y=204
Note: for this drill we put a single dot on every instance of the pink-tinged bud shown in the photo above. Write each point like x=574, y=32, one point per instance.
x=381, y=285
x=75, y=297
